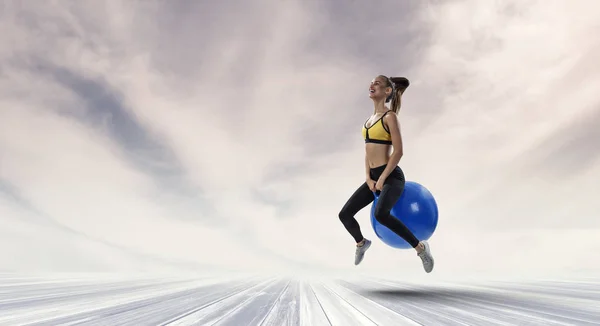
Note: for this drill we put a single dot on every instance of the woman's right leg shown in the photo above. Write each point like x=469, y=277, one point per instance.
x=359, y=200
x=390, y=194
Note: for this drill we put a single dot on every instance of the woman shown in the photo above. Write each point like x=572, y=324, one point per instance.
x=383, y=176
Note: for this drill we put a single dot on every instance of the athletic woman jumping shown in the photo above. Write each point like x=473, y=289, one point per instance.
x=383, y=175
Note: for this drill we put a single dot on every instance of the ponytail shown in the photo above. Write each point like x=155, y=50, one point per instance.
x=399, y=85
x=396, y=101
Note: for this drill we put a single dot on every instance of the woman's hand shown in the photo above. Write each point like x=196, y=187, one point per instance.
x=371, y=184
x=379, y=184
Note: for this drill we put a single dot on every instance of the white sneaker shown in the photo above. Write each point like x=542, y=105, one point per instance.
x=360, y=252
x=426, y=257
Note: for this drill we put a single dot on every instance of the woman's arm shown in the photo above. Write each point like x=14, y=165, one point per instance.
x=391, y=120
x=367, y=168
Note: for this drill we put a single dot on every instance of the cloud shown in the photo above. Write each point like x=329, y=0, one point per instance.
x=508, y=104
x=228, y=134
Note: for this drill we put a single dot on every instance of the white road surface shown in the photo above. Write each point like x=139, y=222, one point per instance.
x=280, y=301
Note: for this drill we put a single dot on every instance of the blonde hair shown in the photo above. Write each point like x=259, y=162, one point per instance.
x=398, y=85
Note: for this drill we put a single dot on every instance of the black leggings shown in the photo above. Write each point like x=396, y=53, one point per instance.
x=363, y=196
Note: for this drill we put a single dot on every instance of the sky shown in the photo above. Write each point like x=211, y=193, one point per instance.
x=208, y=136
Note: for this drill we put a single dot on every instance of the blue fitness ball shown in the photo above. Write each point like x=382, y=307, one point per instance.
x=416, y=208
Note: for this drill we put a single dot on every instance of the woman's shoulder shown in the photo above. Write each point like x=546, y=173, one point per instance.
x=390, y=117
x=390, y=114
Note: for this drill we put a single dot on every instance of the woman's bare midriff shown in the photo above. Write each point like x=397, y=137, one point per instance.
x=377, y=154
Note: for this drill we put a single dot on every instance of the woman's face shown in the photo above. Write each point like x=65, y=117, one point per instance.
x=378, y=88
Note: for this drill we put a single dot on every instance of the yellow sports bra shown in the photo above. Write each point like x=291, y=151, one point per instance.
x=378, y=133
